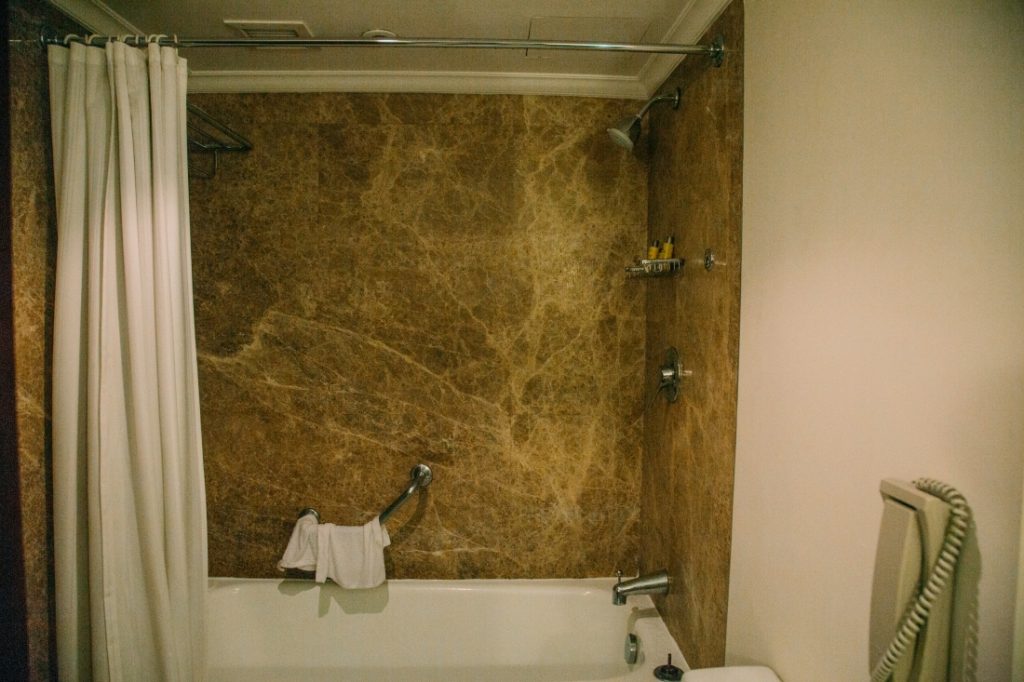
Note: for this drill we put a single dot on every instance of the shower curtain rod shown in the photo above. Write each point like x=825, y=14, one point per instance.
x=716, y=50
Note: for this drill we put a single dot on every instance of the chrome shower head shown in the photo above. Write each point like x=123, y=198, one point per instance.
x=627, y=131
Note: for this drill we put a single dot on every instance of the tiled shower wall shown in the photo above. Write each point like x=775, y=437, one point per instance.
x=696, y=175
x=393, y=279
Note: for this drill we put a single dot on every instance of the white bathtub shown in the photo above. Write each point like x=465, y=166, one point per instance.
x=430, y=631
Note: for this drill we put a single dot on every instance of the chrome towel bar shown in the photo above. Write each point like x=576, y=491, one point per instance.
x=419, y=477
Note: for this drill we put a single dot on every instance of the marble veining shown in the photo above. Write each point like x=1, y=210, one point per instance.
x=696, y=157
x=389, y=279
x=33, y=248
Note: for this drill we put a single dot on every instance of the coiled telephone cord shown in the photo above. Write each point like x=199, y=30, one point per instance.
x=941, y=573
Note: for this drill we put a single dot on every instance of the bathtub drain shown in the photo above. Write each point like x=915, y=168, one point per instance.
x=632, y=648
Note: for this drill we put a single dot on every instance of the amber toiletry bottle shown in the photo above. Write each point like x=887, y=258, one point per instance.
x=667, y=248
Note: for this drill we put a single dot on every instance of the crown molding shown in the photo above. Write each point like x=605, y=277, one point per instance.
x=96, y=17
x=452, y=82
x=692, y=22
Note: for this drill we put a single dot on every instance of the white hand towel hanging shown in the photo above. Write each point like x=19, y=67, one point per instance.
x=352, y=556
x=301, y=552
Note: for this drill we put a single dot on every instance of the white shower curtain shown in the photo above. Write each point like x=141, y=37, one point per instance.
x=129, y=498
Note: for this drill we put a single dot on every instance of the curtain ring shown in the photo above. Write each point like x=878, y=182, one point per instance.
x=124, y=38
x=155, y=38
x=48, y=36
x=89, y=38
x=71, y=36
x=177, y=44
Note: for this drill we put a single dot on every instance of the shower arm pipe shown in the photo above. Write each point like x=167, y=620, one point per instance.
x=716, y=50
x=667, y=97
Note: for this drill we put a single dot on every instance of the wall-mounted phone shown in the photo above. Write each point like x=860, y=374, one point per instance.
x=922, y=532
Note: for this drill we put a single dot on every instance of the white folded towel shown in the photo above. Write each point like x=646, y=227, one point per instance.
x=301, y=552
x=352, y=556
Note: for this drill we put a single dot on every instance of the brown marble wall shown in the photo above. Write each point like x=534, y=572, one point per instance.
x=402, y=278
x=686, y=494
x=33, y=245
x=389, y=279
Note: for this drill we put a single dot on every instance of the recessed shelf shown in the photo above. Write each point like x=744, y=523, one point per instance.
x=655, y=267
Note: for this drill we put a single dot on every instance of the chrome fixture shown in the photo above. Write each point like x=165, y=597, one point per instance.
x=310, y=510
x=627, y=131
x=631, y=649
x=716, y=50
x=670, y=374
x=709, y=259
x=652, y=583
x=208, y=135
x=668, y=671
x=655, y=267
x=420, y=477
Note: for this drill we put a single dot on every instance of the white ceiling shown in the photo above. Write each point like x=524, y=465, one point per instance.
x=419, y=69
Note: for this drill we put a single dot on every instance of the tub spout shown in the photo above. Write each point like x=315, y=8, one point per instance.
x=652, y=583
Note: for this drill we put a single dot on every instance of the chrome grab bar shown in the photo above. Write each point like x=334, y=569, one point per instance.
x=420, y=477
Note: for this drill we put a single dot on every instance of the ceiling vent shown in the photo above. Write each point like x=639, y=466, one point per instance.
x=274, y=30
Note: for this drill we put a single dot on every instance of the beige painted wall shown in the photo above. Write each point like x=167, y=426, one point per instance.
x=1018, y=627
x=882, y=321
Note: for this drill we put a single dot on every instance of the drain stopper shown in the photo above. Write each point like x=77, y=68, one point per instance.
x=668, y=671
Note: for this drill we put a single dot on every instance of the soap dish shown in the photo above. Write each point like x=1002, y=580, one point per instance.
x=654, y=267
